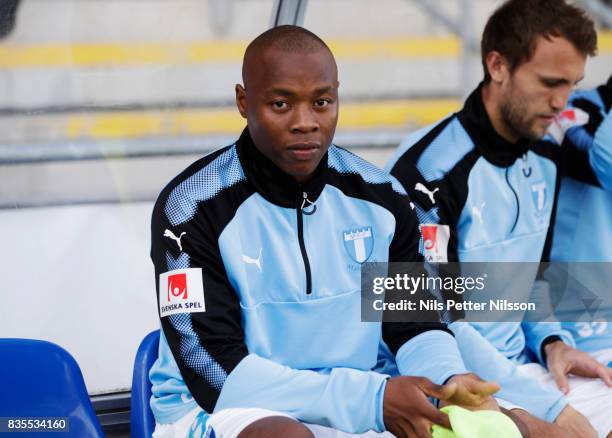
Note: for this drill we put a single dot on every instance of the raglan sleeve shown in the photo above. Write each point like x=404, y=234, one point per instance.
x=416, y=343
x=601, y=152
x=538, y=333
x=199, y=310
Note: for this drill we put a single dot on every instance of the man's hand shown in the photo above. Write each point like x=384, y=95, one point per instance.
x=406, y=410
x=472, y=393
x=562, y=359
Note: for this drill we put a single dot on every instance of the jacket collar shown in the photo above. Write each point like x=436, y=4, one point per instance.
x=493, y=147
x=274, y=184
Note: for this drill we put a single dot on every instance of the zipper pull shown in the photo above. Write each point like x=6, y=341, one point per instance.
x=307, y=203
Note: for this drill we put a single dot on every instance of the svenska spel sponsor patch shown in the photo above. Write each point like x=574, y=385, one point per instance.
x=435, y=242
x=181, y=291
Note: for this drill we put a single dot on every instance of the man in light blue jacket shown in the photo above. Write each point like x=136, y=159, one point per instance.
x=492, y=173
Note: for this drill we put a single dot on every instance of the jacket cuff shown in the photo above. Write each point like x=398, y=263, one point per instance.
x=433, y=354
x=559, y=335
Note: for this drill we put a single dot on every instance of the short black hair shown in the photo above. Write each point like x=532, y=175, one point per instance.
x=286, y=38
x=514, y=27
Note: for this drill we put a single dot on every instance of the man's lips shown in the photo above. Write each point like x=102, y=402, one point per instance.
x=549, y=118
x=303, y=151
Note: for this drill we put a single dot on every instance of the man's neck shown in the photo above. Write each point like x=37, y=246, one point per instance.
x=302, y=179
x=492, y=107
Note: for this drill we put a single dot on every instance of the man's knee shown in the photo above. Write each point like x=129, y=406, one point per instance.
x=276, y=427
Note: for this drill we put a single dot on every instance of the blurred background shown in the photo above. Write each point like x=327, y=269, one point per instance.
x=102, y=102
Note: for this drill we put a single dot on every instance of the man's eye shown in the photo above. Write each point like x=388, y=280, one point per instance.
x=279, y=105
x=322, y=103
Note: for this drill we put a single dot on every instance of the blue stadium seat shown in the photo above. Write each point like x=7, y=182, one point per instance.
x=41, y=379
x=142, y=421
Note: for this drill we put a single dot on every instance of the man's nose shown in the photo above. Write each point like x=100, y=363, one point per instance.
x=559, y=99
x=304, y=120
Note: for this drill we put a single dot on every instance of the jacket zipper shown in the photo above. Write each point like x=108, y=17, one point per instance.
x=518, y=205
x=300, y=225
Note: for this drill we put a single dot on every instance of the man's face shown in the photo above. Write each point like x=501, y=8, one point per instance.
x=538, y=89
x=290, y=101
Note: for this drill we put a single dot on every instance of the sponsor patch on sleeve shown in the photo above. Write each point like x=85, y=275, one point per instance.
x=565, y=120
x=181, y=291
x=435, y=242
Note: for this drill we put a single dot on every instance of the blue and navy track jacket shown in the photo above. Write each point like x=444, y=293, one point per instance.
x=497, y=197
x=279, y=264
x=583, y=228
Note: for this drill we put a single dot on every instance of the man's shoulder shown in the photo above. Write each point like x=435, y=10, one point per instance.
x=350, y=166
x=434, y=150
x=592, y=96
x=201, y=181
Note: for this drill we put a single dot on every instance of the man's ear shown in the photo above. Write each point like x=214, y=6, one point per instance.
x=241, y=101
x=497, y=66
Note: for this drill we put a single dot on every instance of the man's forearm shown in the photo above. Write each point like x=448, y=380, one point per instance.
x=345, y=398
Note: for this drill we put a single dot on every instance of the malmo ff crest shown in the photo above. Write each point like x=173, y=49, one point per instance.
x=359, y=243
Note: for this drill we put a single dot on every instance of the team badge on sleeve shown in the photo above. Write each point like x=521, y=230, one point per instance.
x=181, y=291
x=435, y=242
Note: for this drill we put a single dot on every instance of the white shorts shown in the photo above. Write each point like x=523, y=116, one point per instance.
x=508, y=405
x=228, y=423
x=591, y=397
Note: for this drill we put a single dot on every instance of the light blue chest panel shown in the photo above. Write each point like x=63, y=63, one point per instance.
x=505, y=219
x=264, y=264
x=507, y=211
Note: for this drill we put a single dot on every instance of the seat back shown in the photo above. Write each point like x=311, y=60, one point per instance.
x=41, y=379
x=142, y=421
